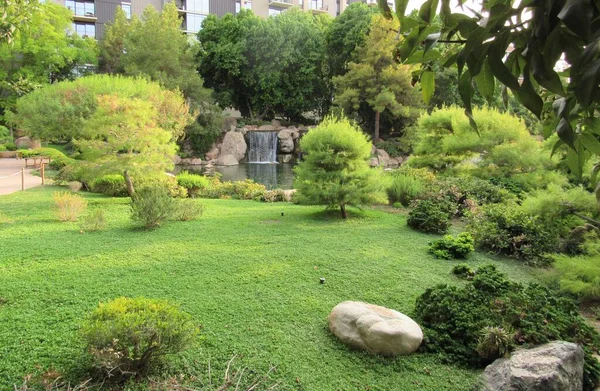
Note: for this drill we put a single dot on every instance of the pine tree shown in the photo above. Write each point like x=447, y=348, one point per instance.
x=112, y=46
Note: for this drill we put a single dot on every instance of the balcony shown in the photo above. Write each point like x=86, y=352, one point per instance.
x=319, y=9
x=82, y=11
x=281, y=3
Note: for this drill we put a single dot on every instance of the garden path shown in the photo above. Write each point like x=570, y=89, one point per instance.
x=10, y=176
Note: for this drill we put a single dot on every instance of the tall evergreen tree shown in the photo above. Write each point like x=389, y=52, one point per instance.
x=112, y=46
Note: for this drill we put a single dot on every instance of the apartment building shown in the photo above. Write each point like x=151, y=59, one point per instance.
x=90, y=16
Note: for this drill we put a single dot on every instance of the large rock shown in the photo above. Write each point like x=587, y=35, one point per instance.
x=267, y=128
x=286, y=140
x=27, y=143
x=226, y=160
x=212, y=154
x=228, y=124
x=383, y=157
x=375, y=329
x=555, y=366
x=234, y=144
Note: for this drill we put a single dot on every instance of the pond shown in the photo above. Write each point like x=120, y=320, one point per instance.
x=273, y=176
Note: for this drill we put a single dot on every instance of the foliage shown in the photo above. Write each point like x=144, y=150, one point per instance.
x=403, y=188
x=16, y=16
x=58, y=159
x=192, y=182
x=335, y=171
x=554, y=30
x=266, y=67
x=111, y=184
x=240, y=190
x=450, y=247
x=94, y=221
x=430, y=216
x=68, y=206
x=393, y=148
x=509, y=230
x=42, y=52
x=129, y=337
x=188, y=210
x=463, y=271
x=116, y=123
x=454, y=318
x=277, y=195
x=112, y=45
x=376, y=80
x=579, y=275
x=346, y=35
x=152, y=206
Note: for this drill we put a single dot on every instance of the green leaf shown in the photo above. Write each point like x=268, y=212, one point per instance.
x=385, y=9
x=545, y=75
x=431, y=40
x=419, y=57
x=559, y=143
x=427, y=10
x=485, y=82
x=565, y=133
x=401, y=7
x=527, y=95
x=465, y=90
x=427, y=85
x=591, y=143
x=576, y=15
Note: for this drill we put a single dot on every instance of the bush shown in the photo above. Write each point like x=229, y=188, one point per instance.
x=152, y=206
x=188, y=210
x=241, y=190
x=430, y=217
x=69, y=206
x=10, y=146
x=455, y=318
x=404, y=189
x=112, y=185
x=463, y=271
x=93, y=221
x=131, y=336
x=75, y=186
x=506, y=229
x=393, y=148
x=450, y=247
x=277, y=195
x=192, y=182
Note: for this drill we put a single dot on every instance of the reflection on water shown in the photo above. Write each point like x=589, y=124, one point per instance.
x=273, y=176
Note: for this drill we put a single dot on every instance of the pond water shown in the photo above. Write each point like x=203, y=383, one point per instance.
x=273, y=176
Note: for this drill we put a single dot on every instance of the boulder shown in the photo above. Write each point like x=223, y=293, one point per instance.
x=285, y=158
x=176, y=159
x=212, y=154
x=276, y=123
x=383, y=157
x=375, y=329
x=228, y=124
x=234, y=144
x=27, y=143
x=226, y=160
x=555, y=366
x=286, y=141
x=373, y=150
x=374, y=162
x=249, y=128
x=267, y=128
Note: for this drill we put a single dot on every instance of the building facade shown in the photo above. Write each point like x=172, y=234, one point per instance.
x=90, y=16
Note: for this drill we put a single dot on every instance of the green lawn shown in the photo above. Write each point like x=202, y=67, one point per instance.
x=247, y=273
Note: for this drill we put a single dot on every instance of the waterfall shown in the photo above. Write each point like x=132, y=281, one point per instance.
x=263, y=147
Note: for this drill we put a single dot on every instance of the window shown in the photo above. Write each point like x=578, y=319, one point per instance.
x=85, y=29
x=81, y=8
x=193, y=22
x=274, y=11
x=197, y=6
x=247, y=5
x=316, y=4
x=127, y=8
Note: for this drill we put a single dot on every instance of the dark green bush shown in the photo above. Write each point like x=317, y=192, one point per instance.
x=10, y=146
x=192, y=182
x=152, y=206
x=393, y=148
x=450, y=247
x=579, y=276
x=241, y=190
x=404, y=189
x=506, y=229
x=453, y=319
x=463, y=271
x=430, y=216
x=112, y=185
x=129, y=337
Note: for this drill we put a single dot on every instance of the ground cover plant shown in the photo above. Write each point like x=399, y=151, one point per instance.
x=248, y=274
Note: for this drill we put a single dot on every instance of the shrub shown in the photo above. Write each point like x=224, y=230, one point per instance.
x=506, y=229
x=453, y=319
x=93, y=221
x=335, y=171
x=277, y=195
x=494, y=342
x=450, y=247
x=404, y=189
x=430, y=217
x=130, y=336
x=241, y=190
x=463, y=271
x=579, y=276
x=10, y=146
x=188, y=210
x=75, y=186
x=393, y=148
x=192, y=182
x=152, y=206
x=69, y=206
x=112, y=185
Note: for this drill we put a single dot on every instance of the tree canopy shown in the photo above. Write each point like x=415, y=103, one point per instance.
x=518, y=43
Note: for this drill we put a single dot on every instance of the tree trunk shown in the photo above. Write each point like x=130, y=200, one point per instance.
x=343, y=210
x=129, y=184
x=376, y=135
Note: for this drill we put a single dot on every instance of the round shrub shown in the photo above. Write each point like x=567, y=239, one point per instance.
x=403, y=189
x=494, y=342
x=129, y=336
x=152, y=206
x=463, y=271
x=430, y=217
x=450, y=247
x=192, y=182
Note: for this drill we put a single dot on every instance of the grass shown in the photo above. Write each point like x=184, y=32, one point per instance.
x=247, y=271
